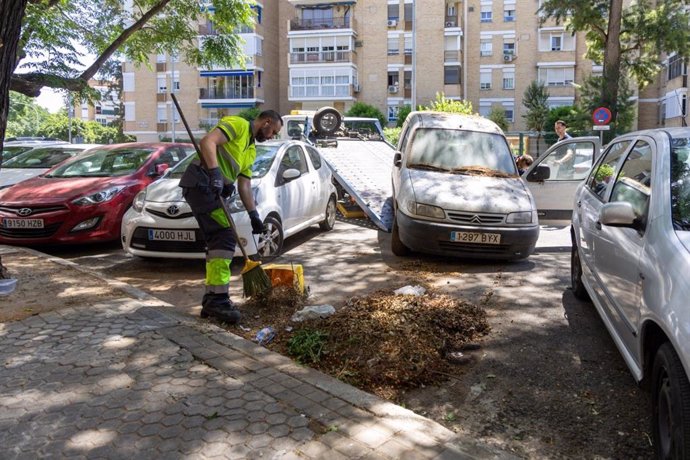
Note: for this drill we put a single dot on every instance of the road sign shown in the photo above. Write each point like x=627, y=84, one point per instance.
x=601, y=116
x=601, y=127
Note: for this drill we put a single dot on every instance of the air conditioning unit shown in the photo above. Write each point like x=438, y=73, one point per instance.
x=355, y=87
x=392, y=89
x=508, y=57
x=392, y=23
x=450, y=24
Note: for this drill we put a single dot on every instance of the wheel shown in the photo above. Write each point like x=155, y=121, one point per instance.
x=670, y=405
x=576, y=275
x=270, y=243
x=328, y=223
x=397, y=246
x=327, y=121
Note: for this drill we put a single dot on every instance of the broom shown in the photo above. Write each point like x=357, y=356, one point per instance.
x=255, y=280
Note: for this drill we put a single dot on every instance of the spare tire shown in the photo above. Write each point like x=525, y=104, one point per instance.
x=327, y=121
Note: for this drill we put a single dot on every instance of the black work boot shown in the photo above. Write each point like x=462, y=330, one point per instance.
x=220, y=307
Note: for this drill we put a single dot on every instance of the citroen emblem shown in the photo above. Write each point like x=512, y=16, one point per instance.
x=476, y=219
x=173, y=210
x=24, y=212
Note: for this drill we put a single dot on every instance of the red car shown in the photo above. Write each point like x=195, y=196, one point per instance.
x=84, y=199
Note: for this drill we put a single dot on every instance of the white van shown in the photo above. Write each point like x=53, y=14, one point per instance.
x=457, y=192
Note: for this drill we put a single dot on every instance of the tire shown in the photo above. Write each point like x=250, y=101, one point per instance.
x=397, y=246
x=329, y=221
x=670, y=405
x=327, y=121
x=576, y=284
x=270, y=243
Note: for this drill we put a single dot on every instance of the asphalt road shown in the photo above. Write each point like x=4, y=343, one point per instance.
x=548, y=381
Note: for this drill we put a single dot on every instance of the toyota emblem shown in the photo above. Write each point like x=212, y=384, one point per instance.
x=173, y=210
x=24, y=212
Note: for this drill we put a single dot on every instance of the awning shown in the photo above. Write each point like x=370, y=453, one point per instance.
x=320, y=3
x=228, y=105
x=226, y=73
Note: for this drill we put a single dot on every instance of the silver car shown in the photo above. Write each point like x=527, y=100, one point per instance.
x=631, y=256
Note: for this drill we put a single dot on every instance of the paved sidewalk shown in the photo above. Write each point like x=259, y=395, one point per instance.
x=128, y=378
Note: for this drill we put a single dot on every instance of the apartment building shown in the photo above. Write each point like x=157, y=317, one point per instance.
x=306, y=54
x=665, y=101
x=104, y=111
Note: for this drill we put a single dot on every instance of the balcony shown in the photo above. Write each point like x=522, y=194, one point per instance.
x=162, y=126
x=161, y=66
x=227, y=93
x=161, y=97
x=321, y=57
x=451, y=21
x=451, y=56
x=319, y=24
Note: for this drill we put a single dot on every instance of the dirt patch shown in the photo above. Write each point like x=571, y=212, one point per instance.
x=69, y=287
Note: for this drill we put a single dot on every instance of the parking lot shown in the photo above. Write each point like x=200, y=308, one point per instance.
x=547, y=381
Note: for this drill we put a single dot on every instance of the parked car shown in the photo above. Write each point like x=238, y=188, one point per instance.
x=292, y=187
x=36, y=161
x=11, y=149
x=456, y=190
x=631, y=256
x=83, y=200
x=553, y=181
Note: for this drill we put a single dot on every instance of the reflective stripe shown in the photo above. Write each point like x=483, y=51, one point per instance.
x=230, y=159
x=217, y=289
x=228, y=129
x=219, y=254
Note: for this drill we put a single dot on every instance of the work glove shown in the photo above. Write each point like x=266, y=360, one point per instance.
x=228, y=190
x=215, y=180
x=257, y=224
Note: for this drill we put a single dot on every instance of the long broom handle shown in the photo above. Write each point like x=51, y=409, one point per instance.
x=203, y=163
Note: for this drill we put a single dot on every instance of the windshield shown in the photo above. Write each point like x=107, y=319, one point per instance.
x=461, y=152
x=13, y=151
x=680, y=183
x=41, y=158
x=105, y=163
x=264, y=159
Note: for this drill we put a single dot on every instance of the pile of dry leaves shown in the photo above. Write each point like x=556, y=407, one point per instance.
x=382, y=343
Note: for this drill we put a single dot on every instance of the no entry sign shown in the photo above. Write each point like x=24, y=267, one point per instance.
x=601, y=116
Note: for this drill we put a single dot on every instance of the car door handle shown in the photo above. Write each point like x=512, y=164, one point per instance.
x=598, y=225
x=579, y=204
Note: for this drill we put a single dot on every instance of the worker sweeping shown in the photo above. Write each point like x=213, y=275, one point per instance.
x=228, y=153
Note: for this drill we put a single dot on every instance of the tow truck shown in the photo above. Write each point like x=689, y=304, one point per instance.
x=358, y=154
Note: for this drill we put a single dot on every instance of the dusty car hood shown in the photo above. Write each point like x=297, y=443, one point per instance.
x=469, y=193
x=9, y=176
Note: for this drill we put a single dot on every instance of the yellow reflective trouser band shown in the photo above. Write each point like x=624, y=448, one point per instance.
x=219, y=216
x=217, y=275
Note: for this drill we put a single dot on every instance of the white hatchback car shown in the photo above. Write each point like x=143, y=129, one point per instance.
x=292, y=187
x=631, y=256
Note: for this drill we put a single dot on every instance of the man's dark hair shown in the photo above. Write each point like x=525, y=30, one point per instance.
x=273, y=115
x=562, y=123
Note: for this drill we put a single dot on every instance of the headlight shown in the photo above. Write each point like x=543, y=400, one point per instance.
x=524, y=217
x=139, y=200
x=425, y=210
x=99, y=197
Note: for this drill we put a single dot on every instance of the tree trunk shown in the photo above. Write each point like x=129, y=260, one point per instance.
x=612, y=57
x=10, y=28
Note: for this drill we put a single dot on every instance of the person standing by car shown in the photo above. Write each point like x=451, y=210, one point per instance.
x=228, y=153
x=567, y=161
x=560, y=127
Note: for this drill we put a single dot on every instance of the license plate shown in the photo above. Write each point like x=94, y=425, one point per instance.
x=475, y=237
x=172, y=235
x=22, y=223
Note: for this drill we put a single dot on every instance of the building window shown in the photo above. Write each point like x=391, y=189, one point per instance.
x=451, y=75
x=451, y=11
x=509, y=112
x=485, y=48
x=162, y=114
x=393, y=46
x=557, y=76
x=162, y=83
x=509, y=48
x=509, y=15
x=508, y=80
x=128, y=81
x=394, y=12
x=556, y=42
x=485, y=79
x=484, y=109
x=486, y=13
x=408, y=44
x=393, y=79
x=676, y=67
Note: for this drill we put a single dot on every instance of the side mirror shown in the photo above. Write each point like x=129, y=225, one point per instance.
x=539, y=174
x=291, y=174
x=161, y=168
x=618, y=214
x=397, y=159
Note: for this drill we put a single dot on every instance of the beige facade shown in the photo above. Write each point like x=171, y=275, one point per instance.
x=306, y=54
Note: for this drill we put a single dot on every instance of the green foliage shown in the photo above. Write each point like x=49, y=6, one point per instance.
x=307, y=345
x=591, y=98
x=89, y=132
x=392, y=135
x=603, y=172
x=402, y=115
x=535, y=101
x=498, y=116
x=24, y=117
x=360, y=109
x=249, y=114
x=441, y=104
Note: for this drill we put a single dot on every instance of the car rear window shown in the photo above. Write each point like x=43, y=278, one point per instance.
x=454, y=149
x=41, y=158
